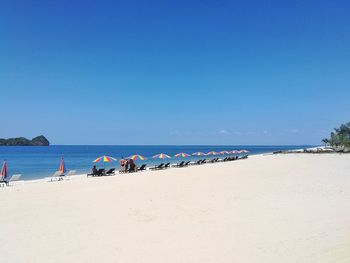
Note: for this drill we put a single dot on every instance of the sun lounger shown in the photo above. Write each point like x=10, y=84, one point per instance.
x=111, y=171
x=179, y=164
x=187, y=163
x=199, y=162
x=167, y=166
x=57, y=176
x=100, y=172
x=93, y=174
x=157, y=167
x=3, y=182
x=195, y=163
x=15, y=178
x=142, y=168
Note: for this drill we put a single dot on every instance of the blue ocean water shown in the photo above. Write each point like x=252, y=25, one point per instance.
x=39, y=162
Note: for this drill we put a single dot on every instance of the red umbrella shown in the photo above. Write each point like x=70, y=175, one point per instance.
x=4, y=171
x=62, y=168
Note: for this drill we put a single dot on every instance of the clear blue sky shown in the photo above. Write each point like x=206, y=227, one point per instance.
x=174, y=72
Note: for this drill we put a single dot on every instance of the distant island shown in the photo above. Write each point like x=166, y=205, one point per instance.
x=21, y=141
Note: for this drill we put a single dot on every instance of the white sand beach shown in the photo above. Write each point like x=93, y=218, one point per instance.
x=268, y=208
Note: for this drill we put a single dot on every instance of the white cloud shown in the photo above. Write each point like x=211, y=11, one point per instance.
x=223, y=132
x=176, y=132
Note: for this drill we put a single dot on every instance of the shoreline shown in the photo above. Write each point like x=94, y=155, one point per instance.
x=38, y=163
x=47, y=179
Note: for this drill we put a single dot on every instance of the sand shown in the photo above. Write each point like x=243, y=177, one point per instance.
x=284, y=208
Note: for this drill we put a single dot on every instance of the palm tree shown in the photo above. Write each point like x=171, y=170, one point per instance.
x=340, y=137
x=325, y=141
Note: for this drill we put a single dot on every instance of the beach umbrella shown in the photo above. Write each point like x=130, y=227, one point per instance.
x=137, y=157
x=182, y=155
x=224, y=152
x=245, y=151
x=62, y=167
x=4, y=171
x=234, y=152
x=212, y=153
x=105, y=159
x=198, y=153
x=161, y=156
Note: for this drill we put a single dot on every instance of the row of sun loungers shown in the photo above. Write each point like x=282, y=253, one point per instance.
x=162, y=166
x=58, y=176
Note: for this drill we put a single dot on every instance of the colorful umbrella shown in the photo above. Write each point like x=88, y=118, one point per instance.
x=224, y=152
x=198, y=153
x=4, y=171
x=137, y=157
x=62, y=168
x=234, y=152
x=212, y=153
x=161, y=156
x=182, y=155
x=105, y=159
x=244, y=151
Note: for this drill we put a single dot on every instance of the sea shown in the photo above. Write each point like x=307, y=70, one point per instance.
x=39, y=162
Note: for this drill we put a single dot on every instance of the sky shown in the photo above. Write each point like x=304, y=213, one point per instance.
x=174, y=72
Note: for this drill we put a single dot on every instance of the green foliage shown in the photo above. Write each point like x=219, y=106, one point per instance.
x=21, y=141
x=340, y=137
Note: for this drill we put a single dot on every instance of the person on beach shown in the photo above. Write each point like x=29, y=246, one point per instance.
x=132, y=166
x=94, y=170
x=126, y=165
x=122, y=163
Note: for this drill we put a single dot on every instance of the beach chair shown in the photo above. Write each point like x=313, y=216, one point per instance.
x=3, y=182
x=142, y=168
x=100, y=172
x=194, y=162
x=15, y=178
x=157, y=167
x=111, y=171
x=199, y=162
x=203, y=161
x=93, y=174
x=187, y=163
x=179, y=164
x=166, y=166
x=57, y=176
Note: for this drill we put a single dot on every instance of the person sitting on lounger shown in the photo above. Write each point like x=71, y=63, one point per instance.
x=132, y=166
x=94, y=170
